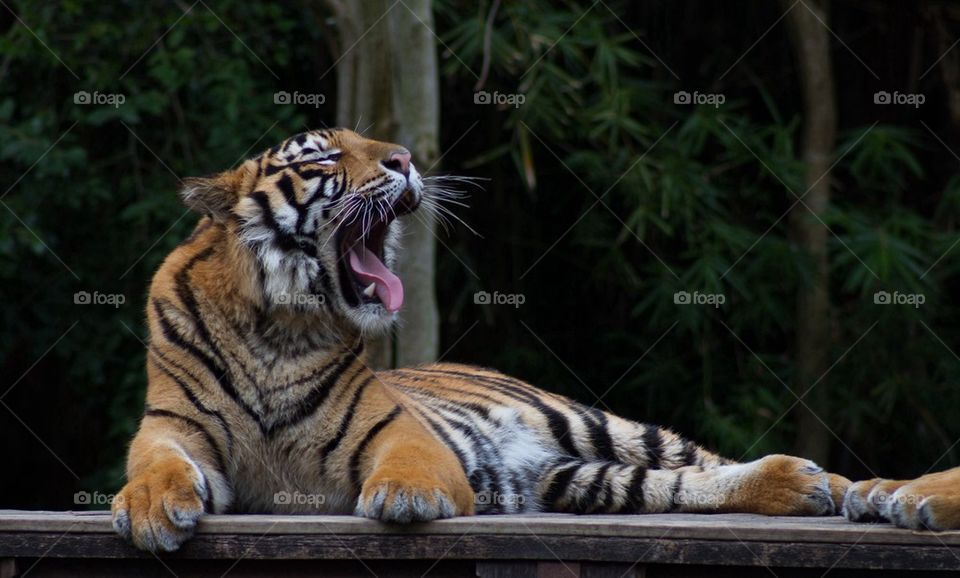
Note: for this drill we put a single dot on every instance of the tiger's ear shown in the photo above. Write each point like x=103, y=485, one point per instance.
x=214, y=195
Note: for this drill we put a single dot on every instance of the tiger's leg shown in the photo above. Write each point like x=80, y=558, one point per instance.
x=774, y=485
x=175, y=474
x=408, y=475
x=656, y=447
x=929, y=502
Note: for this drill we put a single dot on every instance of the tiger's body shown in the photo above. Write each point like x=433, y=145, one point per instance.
x=260, y=399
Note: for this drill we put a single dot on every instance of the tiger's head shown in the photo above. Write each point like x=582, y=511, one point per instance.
x=315, y=219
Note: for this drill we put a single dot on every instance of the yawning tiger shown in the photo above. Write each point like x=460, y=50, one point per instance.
x=259, y=391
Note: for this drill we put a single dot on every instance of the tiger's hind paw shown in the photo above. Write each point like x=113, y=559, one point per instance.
x=780, y=485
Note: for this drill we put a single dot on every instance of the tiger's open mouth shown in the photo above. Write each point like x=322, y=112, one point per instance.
x=364, y=278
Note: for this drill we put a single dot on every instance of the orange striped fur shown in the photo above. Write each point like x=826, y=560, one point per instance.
x=260, y=399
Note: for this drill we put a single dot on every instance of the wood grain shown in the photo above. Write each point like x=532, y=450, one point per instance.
x=626, y=542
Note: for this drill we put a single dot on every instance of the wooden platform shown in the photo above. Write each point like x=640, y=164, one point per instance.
x=83, y=543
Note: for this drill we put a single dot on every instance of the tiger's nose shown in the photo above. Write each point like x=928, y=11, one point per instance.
x=399, y=161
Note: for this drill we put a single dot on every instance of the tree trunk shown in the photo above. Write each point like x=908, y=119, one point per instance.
x=418, y=101
x=811, y=41
x=387, y=81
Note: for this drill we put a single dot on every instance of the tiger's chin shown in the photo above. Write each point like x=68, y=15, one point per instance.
x=372, y=320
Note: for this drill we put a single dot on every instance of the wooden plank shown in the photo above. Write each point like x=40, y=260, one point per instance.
x=155, y=568
x=444, y=548
x=724, y=527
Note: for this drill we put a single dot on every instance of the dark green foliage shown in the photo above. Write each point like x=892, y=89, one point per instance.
x=692, y=198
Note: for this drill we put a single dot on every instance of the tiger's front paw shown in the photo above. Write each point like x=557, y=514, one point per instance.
x=870, y=500
x=407, y=500
x=159, y=509
x=838, y=490
x=931, y=502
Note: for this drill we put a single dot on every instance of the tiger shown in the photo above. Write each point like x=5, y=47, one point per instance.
x=260, y=391
x=930, y=502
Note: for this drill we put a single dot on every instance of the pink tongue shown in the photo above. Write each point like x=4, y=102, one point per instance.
x=370, y=269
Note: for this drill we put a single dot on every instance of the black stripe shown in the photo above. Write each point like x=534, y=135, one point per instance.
x=313, y=400
x=600, y=440
x=484, y=449
x=182, y=279
x=557, y=422
x=635, y=502
x=306, y=174
x=654, y=446
x=220, y=465
x=448, y=441
x=271, y=169
x=677, y=484
x=286, y=187
x=209, y=439
x=589, y=502
x=559, y=484
x=321, y=187
x=461, y=407
x=192, y=397
x=341, y=177
x=345, y=422
x=283, y=239
x=358, y=452
x=436, y=385
x=689, y=453
x=218, y=372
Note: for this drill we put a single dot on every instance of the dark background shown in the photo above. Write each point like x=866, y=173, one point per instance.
x=692, y=192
